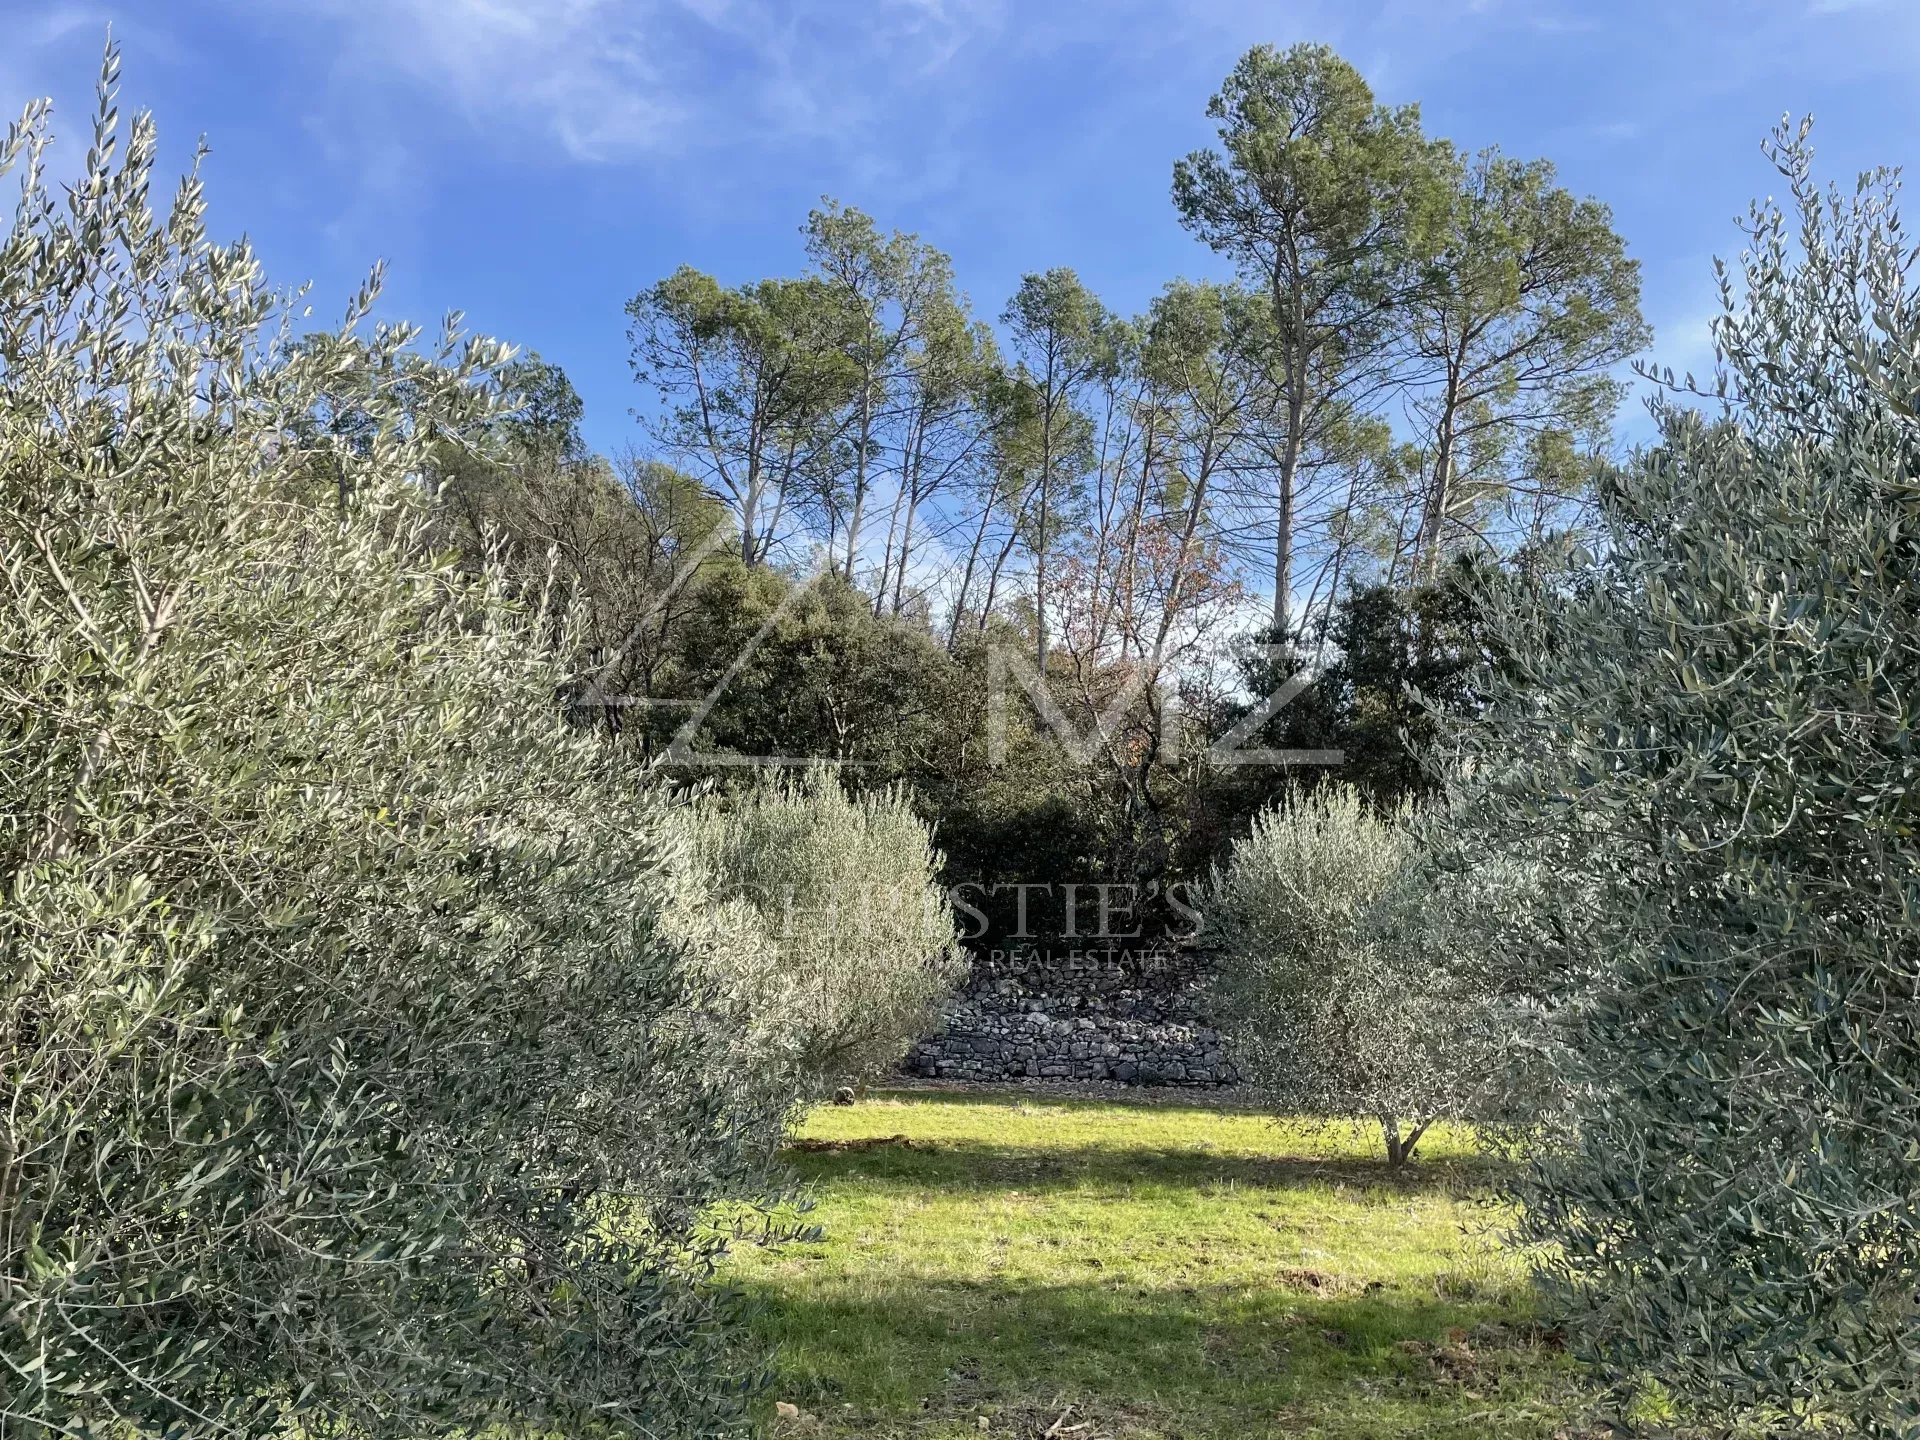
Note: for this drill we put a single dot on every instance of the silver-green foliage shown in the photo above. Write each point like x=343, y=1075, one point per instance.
x=1711, y=741
x=1340, y=994
x=834, y=940
x=335, y=1012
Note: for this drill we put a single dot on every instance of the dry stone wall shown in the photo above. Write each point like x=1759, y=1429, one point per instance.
x=1115, y=1015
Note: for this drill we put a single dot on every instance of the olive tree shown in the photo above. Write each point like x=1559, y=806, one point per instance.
x=351, y=1084
x=1336, y=988
x=828, y=928
x=1709, y=737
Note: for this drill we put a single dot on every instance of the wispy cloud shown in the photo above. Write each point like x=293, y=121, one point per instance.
x=615, y=79
x=59, y=21
x=27, y=40
x=1617, y=130
x=1685, y=344
x=574, y=69
x=620, y=80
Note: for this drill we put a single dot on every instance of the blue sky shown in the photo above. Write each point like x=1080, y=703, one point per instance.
x=536, y=162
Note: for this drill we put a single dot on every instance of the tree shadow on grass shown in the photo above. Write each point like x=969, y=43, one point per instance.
x=1160, y=1098
x=965, y=1167
x=1207, y=1362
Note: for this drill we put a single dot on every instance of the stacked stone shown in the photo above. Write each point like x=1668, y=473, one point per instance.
x=1085, y=1015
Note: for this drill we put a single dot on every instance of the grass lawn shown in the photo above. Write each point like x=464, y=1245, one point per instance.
x=1084, y=1269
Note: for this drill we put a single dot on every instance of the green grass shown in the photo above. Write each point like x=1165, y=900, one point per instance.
x=1137, y=1270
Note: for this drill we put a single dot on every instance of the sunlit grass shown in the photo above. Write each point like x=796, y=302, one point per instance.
x=1144, y=1271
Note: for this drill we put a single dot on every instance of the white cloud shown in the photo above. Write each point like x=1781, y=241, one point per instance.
x=612, y=79
x=1617, y=130
x=1684, y=344
x=568, y=67
x=880, y=84
x=21, y=59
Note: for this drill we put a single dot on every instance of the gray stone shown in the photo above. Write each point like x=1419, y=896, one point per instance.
x=1122, y=1016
